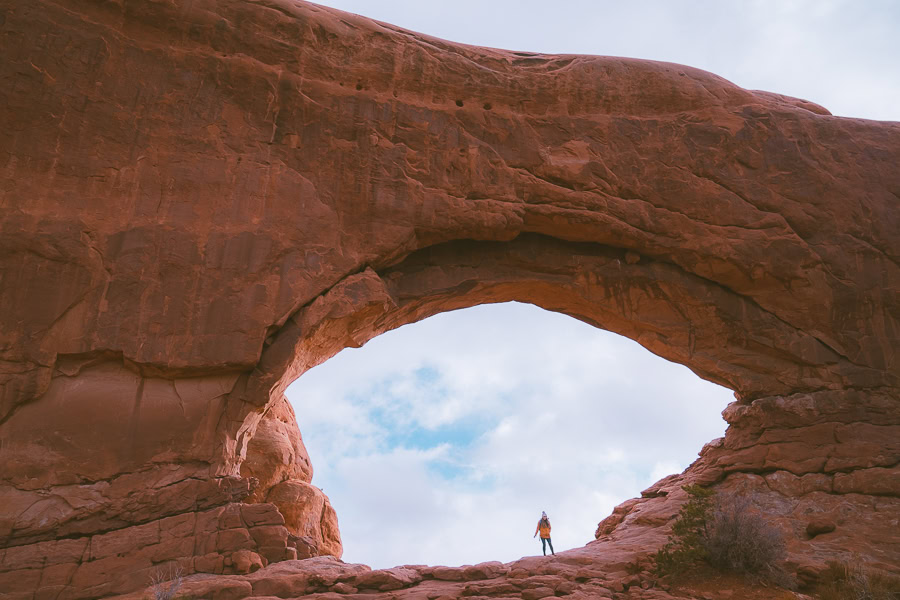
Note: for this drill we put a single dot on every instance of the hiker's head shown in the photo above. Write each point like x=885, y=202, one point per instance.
x=543, y=515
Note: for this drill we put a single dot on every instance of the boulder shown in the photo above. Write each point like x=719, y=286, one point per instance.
x=276, y=452
x=308, y=513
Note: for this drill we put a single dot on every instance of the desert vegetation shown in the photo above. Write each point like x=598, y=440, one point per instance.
x=725, y=532
x=854, y=580
x=165, y=583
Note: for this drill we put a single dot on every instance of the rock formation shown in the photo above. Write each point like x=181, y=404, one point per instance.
x=277, y=459
x=201, y=200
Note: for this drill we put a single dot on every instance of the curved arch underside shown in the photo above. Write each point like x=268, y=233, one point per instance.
x=283, y=180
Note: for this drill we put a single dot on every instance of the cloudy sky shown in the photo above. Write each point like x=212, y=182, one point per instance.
x=442, y=441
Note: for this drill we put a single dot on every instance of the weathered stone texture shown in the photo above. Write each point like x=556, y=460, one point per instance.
x=201, y=200
x=233, y=538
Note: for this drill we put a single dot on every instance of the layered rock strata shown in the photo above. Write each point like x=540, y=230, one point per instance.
x=201, y=200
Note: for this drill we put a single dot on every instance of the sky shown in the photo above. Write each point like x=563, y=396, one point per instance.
x=441, y=442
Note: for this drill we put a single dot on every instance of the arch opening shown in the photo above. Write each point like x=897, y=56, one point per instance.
x=718, y=333
x=440, y=441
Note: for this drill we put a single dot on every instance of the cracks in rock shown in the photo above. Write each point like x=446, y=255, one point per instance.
x=274, y=335
x=274, y=109
x=779, y=217
x=830, y=474
x=807, y=244
x=120, y=522
x=194, y=464
x=795, y=330
x=180, y=399
x=134, y=426
x=821, y=471
x=889, y=256
x=753, y=302
x=557, y=182
x=867, y=244
x=20, y=405
x=89, y=536
x=887, y=390
x=150, y=370
x=91, y=245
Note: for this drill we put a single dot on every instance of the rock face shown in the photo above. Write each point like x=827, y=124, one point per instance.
x=277, y=459
x=276, y=453
x=201, y=200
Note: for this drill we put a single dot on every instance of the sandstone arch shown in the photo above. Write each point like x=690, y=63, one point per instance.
x=283, y=180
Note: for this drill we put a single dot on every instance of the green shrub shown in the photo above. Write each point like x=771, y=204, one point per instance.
x=685, y=546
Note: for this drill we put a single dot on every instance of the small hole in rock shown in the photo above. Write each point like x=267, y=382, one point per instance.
x=358, y=86
x=459, y=102
x=488, y=106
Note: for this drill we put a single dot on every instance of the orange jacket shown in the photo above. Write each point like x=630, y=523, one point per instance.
x=544, y=528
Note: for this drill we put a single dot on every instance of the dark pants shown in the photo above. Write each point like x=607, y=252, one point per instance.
x=544, y=543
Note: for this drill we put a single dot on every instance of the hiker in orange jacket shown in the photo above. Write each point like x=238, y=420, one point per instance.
x=543, y=527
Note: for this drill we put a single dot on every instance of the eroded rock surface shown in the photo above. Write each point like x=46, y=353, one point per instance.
x=277, y=459
x=201, y=200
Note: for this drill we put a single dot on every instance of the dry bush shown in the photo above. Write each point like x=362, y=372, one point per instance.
x=741, y=540
x=165, y=583
x=853, y=580
x=724, y=532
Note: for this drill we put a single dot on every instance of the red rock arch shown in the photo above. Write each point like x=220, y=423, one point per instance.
x=283, y=180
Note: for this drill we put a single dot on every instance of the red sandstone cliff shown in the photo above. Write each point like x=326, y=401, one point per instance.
x=200, y=200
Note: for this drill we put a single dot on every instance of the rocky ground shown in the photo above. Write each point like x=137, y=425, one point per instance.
x=617, y=564
x=594, y=572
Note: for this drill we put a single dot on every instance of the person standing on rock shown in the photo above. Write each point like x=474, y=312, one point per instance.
x=543, y=527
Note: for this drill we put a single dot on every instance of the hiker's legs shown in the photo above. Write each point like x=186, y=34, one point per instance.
x=544, y=546
x=551, y=548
